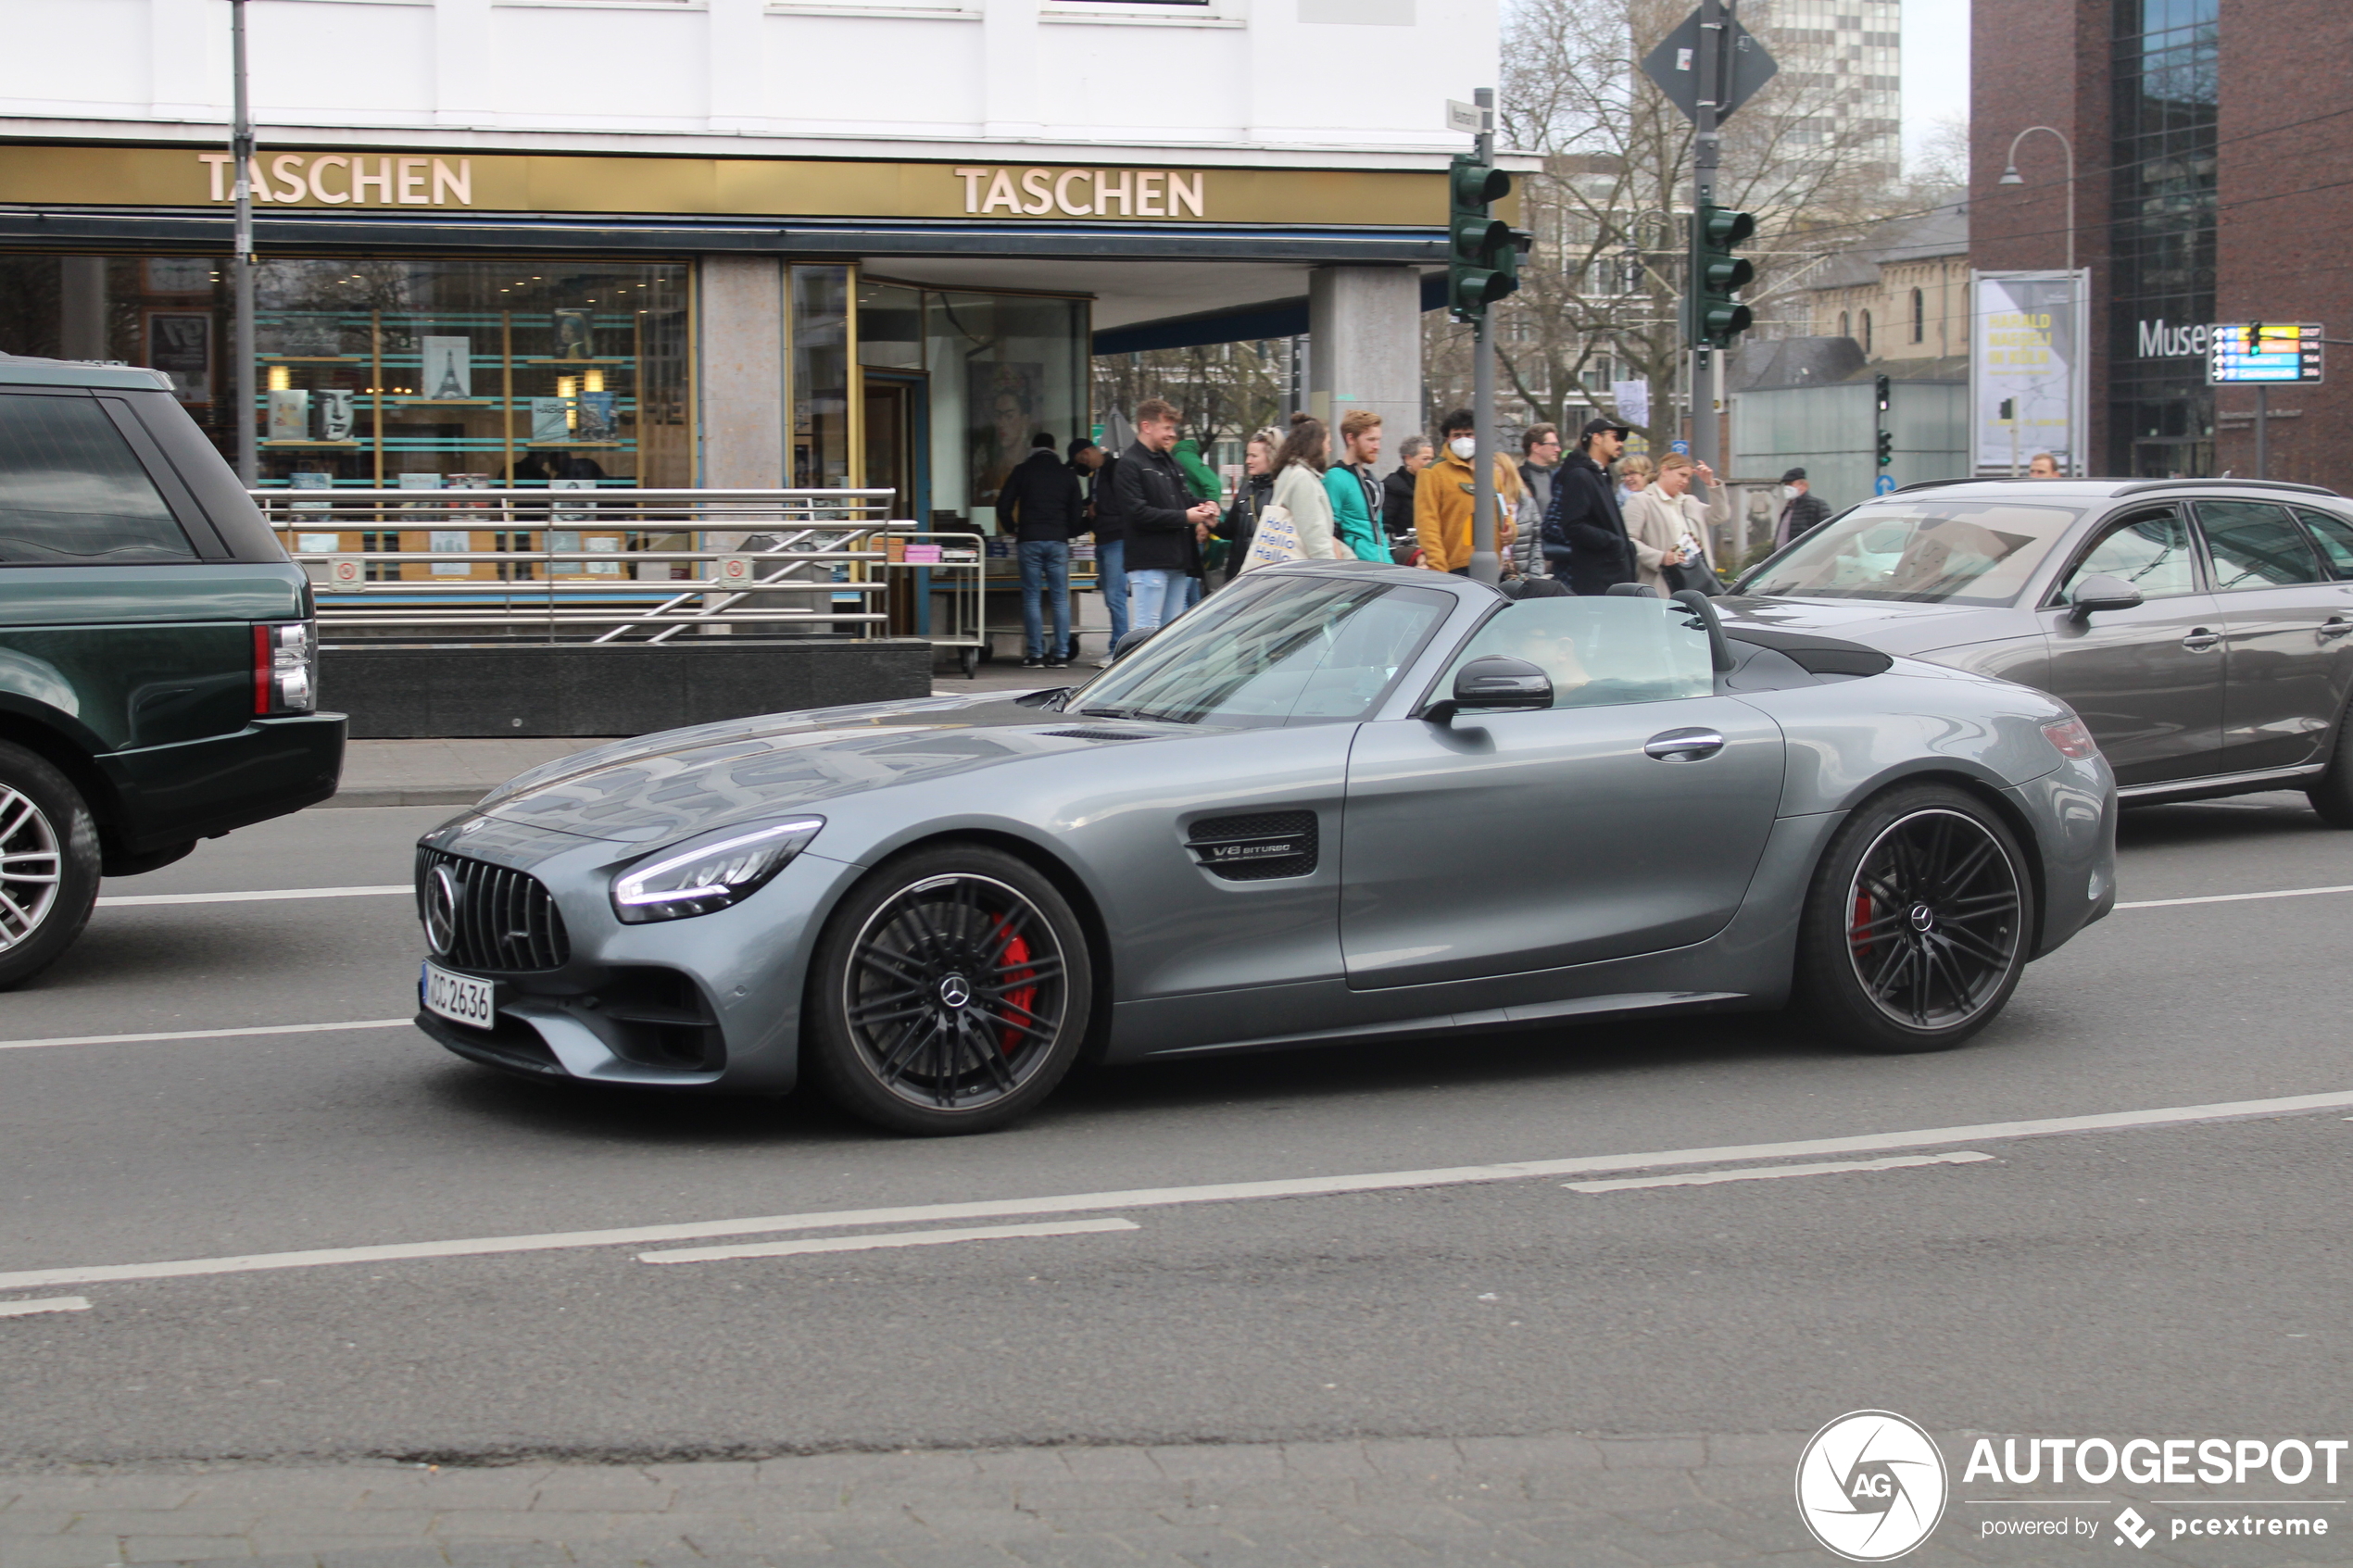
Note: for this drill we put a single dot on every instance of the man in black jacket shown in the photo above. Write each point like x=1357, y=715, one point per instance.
x=1042, y=505
x=1802, y=510
x=1162, y=521
x=1585, y=540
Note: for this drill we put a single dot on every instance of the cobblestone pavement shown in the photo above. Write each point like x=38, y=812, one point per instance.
x=1558, y=1500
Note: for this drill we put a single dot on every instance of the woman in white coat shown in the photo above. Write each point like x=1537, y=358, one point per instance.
x=1299, y=489
x=1668, y=525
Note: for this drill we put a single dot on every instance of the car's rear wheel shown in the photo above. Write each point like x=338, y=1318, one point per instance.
x=48, y=864
x=2331, y=793
x=1917, y=924
x=950, y=992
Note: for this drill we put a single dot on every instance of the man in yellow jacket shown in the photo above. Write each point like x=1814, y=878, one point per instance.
x=1443, y=497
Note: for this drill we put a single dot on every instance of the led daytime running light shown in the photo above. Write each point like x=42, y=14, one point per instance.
x=756, y=855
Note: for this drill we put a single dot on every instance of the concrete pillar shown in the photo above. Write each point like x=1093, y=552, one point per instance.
x=81, y=307
x=741, y=336
x=1364, y=328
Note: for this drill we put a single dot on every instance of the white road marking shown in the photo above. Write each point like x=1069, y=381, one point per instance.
x=206, y=1034
x=1160, y=1197
x=1765, y=1172
x=2233, y=897
x=46, y=1304
x=888, y=1238
x=126, y=900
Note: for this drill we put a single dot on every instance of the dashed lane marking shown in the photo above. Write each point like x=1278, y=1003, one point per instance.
x=46, y=1304
x=2233, y=897
x=206, y=1034
x=888, y=1238
x=1767, y=1173
x=130, y=900
x=1160, y=1197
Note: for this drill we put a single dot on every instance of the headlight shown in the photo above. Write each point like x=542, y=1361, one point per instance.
x=709, y=873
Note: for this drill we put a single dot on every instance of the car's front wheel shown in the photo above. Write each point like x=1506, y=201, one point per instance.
x=950, y=992
x=48, y=864
x=2331, y=793
x=1918, y=923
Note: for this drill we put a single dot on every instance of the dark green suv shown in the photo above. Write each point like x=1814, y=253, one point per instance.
x=158, y=649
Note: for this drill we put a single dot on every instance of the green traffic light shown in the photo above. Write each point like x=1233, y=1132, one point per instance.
x=1716, y=318
x=1482, y=263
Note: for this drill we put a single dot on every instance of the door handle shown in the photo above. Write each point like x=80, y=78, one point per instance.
x=1684, y=745
x=2335, y=626
x=2200, y=640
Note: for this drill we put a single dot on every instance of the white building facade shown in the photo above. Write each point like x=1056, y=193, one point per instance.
x=736, y=242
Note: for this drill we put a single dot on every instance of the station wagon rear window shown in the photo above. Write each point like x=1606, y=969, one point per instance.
x=1922, y=551
x=72, y=492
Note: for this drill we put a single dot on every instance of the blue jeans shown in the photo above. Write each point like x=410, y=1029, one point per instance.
x=1110, y=575
x=1160, y=596
x=1193, y=592
x=1045, y=567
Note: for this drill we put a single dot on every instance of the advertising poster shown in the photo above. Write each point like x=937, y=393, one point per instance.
x=179, y=342
x=2026, y=354
x=1004, y=400
x=448, y=371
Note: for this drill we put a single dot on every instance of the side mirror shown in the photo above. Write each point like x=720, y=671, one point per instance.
x=2099, y=591
x=1131, y=642
x=1494, y=684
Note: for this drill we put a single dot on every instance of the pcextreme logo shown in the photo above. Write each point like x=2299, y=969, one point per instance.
x=1871, y=1486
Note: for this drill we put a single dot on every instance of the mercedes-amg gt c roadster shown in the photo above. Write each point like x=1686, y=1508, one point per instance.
x=1336, y=802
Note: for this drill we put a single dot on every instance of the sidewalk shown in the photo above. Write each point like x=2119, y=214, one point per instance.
x=458, y=773
x=1597, y=1503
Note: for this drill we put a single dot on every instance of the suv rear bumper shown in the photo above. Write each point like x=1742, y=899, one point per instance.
x=166, y=795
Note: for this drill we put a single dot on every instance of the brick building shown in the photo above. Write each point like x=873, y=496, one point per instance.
x=2207, y=190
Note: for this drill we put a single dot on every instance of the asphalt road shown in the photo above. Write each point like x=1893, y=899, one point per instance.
x=2174, y=1276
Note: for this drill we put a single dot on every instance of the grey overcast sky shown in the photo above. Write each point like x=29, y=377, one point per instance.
x=1935, y=66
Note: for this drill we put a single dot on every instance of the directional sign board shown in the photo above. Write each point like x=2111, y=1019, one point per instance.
x=1674, y=65
x=1883, y=485
x=2263, y=353
x=1468, y=119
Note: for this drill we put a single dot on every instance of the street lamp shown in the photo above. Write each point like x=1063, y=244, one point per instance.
x=2010, y=176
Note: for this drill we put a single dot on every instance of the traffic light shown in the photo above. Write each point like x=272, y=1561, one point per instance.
x=1886, y=447
x=1886, y=436
x=1716, y=318
x=1482, y=263
x=1879, y=392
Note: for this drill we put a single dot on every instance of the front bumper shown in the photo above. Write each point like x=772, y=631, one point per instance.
x=709, y=1002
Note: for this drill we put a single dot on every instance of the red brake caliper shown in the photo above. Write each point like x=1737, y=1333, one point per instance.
x=1859, y=935
x=1011, y=963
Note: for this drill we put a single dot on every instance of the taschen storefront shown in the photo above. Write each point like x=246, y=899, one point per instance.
x=439, y=319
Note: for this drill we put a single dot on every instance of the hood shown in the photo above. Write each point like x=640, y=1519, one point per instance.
x=662, y=786
x=1891, y=626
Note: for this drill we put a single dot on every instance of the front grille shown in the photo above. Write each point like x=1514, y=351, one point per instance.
x=505, y=920
x=1256, y=848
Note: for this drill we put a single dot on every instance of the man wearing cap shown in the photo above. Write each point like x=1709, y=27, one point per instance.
x=1802, y=510
x=1585, y=541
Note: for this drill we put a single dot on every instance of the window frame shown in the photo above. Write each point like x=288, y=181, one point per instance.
x=2201, y=582
x=2205, y=548
x=2303, y=514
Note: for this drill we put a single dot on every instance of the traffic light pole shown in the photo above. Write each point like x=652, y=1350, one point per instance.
x=1704, y=151
x=1486, y=562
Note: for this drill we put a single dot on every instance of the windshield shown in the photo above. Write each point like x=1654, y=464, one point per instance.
x=1600, y=651
x=1925, y=550
x=1271, y=652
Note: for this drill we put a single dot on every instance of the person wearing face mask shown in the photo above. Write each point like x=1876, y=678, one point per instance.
x=1585, y=536
x=1802, y=510
x=1443, y=503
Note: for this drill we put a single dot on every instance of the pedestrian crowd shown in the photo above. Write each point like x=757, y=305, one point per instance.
x=1590, y=517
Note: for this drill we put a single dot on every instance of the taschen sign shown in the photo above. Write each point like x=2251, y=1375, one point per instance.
x=348, y=180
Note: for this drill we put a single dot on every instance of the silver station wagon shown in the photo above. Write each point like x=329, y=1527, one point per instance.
x=2202, y=628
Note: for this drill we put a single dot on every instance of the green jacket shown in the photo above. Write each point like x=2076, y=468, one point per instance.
x=1351, y=519
x=1200, y=478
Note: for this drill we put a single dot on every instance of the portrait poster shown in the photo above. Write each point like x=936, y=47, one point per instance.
x=576, y=335
x=180, y=342
x=1005, y=398
x=448, y=370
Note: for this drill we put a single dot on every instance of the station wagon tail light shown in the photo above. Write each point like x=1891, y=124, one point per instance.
x=285, y=668
x=2074, y=741
x=709, y=872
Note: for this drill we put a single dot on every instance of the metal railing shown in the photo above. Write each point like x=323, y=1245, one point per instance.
x=561, y=565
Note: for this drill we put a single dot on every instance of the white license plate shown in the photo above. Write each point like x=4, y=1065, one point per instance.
x=460, y=997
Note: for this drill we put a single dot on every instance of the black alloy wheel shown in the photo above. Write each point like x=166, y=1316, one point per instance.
x=950, y=992
x=2331, y=793
x=48, y=864
x=1918, y=923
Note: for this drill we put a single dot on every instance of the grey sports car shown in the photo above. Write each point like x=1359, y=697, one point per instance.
x=1337, y=801
x=2202, y=628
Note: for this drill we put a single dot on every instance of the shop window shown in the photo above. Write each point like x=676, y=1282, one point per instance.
x=1004, y=367
x=820, y=377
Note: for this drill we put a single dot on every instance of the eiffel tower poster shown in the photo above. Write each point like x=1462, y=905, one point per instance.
x=447, y=373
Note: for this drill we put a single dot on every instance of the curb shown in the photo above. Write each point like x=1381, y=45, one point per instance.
x=412, y=795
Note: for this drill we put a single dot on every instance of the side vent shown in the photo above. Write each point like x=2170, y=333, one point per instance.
x=1256, y=848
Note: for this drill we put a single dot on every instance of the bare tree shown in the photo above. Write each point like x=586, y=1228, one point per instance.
x=1600, y=297
x=1227, y=390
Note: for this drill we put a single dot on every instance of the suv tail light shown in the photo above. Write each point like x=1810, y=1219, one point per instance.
x=286, y=667
x=2073, y=740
